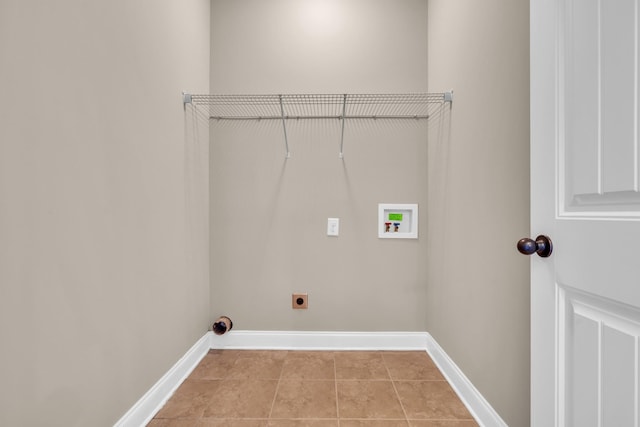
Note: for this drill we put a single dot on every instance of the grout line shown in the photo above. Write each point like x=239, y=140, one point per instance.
x=275, y=395
x=335, y=382
x=393, y=384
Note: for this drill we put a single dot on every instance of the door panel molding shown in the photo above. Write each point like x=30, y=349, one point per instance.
x=598, y=342
x=598, y=91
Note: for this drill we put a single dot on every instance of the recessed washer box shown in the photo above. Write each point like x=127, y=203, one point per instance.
x=398, y=221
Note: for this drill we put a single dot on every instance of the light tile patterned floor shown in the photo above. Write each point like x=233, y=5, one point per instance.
x=238, y=388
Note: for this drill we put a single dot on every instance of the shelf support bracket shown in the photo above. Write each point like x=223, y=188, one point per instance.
x=448, y=96
x=284, y=127
x=344, y=109
x=186, y=99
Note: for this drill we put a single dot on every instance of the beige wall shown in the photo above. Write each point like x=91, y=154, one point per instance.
x=103, y=194
x=477, y=301
x=103, y=190
x=462, y=281
x=269, y=214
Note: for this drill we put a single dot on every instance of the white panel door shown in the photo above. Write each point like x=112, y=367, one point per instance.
x=585, y=183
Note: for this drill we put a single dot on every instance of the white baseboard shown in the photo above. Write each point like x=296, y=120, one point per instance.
x=481, y=410
x=311, y=340
x=143, y=411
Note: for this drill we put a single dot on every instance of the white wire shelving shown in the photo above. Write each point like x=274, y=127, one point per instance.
x=341, y=107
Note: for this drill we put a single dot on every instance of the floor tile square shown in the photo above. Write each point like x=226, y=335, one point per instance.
x=305, y=399
x=231, y=422
x=373, y=423
x=258, y=368
x=173, y=422
x=320, y=354
x=242, y=399
x=303, y=423
x=411, y=365
x=189, y=400
x=309, y=366
x=368, y=399
x=213, y=366
x=360, y=365
x=269, y=354
x=434, y=400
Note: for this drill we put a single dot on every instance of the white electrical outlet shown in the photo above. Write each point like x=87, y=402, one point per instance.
x=333, y=226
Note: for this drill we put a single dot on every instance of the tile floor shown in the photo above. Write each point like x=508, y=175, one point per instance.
x=241, y=388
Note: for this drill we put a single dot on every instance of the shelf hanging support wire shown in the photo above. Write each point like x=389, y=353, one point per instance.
x=344, y=110
x=284, y=127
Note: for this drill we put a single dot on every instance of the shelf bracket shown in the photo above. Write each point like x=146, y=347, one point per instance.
x=186, y=99
x=284, y=127
x=344, y=109
x=448, y=96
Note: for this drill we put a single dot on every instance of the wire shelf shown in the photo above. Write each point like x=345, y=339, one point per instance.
x=319, y=106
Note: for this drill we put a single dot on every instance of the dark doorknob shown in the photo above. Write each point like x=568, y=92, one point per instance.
x=542, y=246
